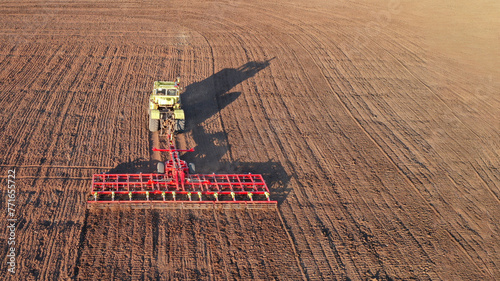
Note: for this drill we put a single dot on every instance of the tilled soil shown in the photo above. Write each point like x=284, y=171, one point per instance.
x=382, y=151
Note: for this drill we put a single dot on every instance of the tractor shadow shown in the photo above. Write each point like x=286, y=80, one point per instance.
x=273, y=173
x=202, y=101
x=134, y=167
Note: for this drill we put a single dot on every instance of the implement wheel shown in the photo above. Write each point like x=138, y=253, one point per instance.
x=192, y=169
x=160, y=168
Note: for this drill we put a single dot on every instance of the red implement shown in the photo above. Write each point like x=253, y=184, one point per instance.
x=176, y=188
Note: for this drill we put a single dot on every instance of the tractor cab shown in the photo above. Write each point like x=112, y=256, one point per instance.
x=166, y=92
x=165, y=110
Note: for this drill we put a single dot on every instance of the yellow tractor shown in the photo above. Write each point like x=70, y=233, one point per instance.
x=165, y=113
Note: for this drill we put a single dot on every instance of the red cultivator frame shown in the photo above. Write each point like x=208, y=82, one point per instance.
x=177, y=189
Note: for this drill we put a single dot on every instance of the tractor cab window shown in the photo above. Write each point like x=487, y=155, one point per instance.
x=160, y=91
x=171, y=92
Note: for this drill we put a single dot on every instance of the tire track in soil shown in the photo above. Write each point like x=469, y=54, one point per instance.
x=53, y=246
x=224, y=249
x=83, y=237
x=155, y=142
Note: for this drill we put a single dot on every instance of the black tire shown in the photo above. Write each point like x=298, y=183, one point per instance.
x=160, y=168
x=180, y=124
x=154, y=125
x=192, y=169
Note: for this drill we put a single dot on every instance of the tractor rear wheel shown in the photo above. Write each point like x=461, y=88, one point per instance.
x=180, y=124
x=154, y=125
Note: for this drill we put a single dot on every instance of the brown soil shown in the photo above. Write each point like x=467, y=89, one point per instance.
x=380, y=142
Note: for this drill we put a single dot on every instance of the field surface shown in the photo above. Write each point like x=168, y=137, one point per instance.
x=376, y=125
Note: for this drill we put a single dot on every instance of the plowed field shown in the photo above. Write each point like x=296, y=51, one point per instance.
x=379, y=141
